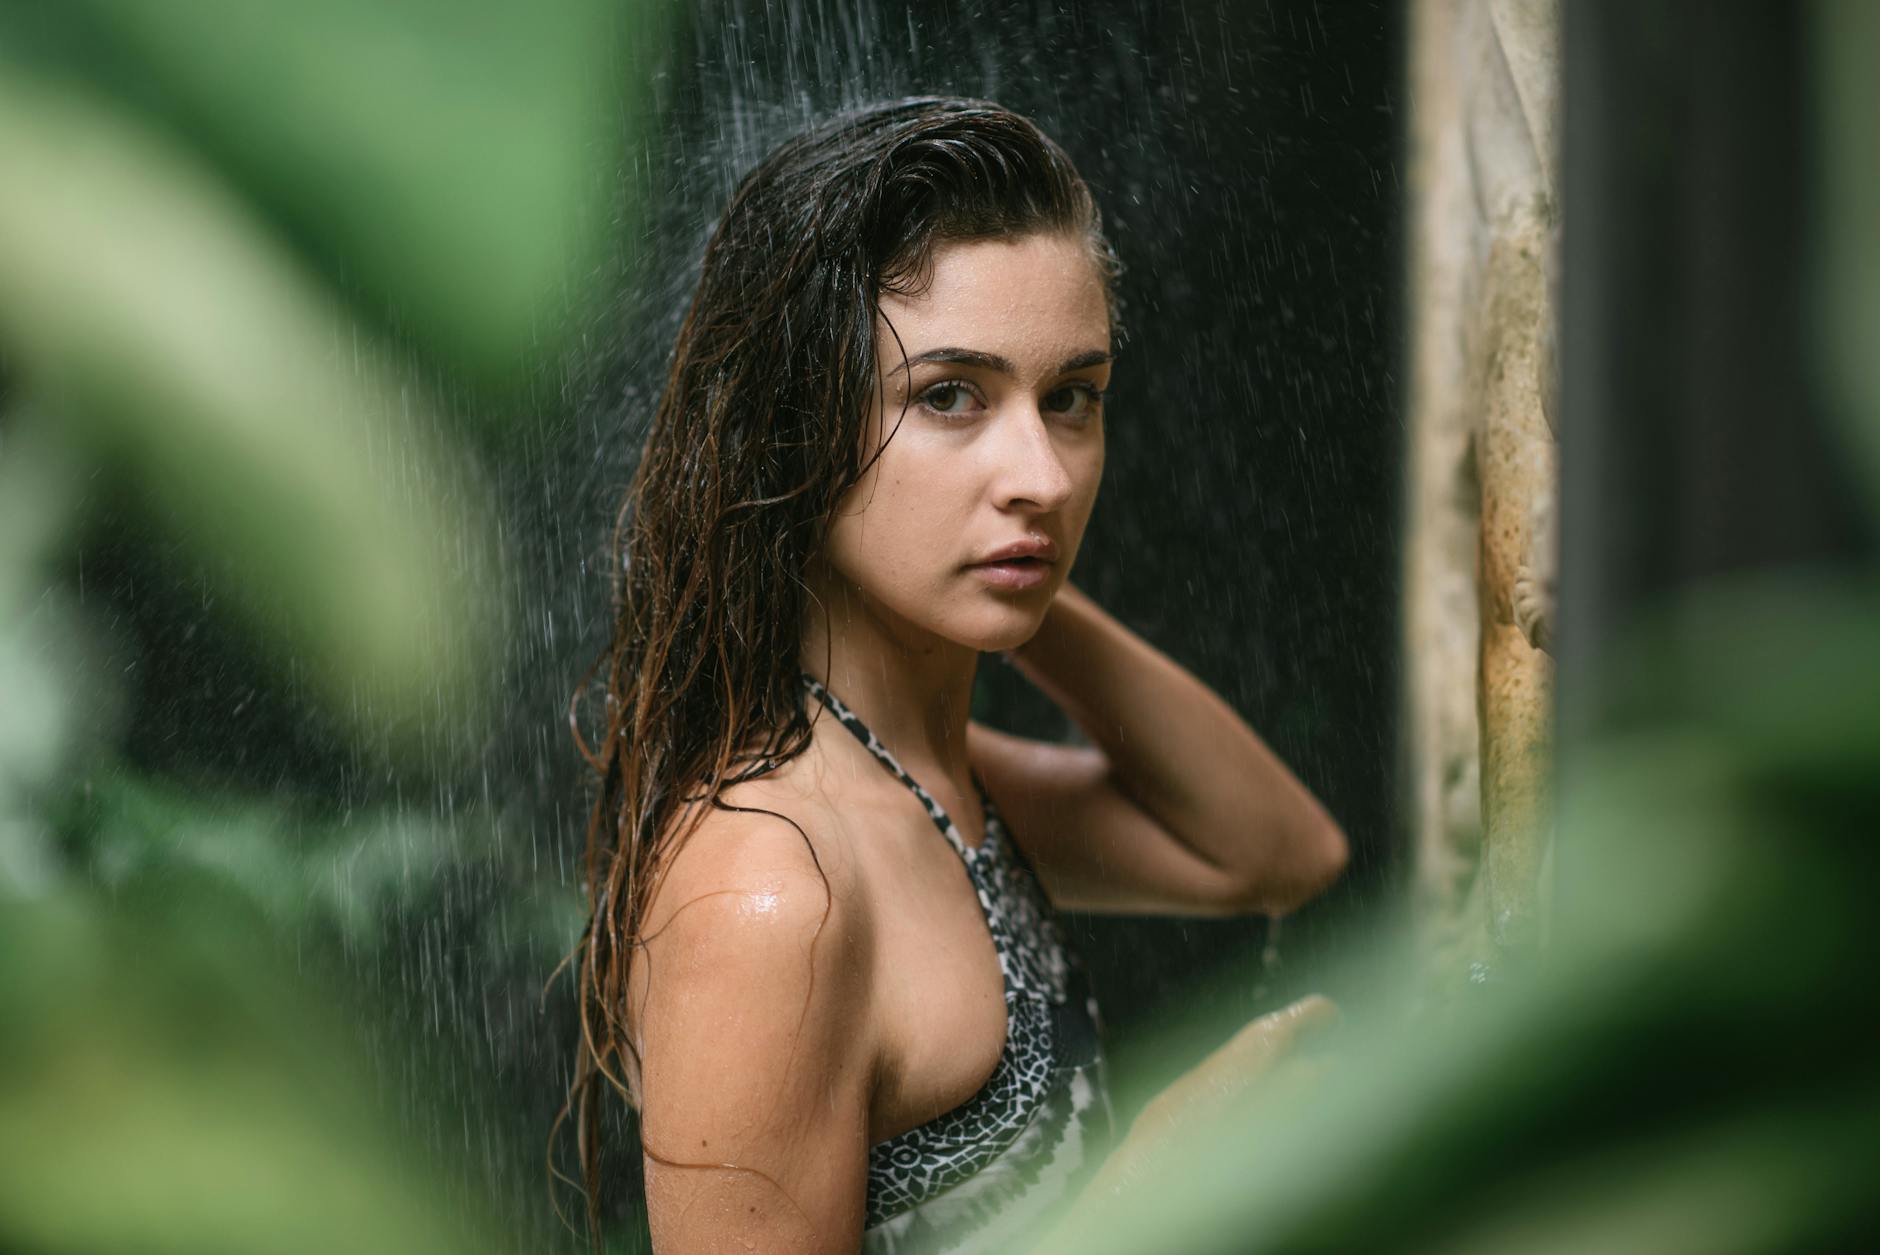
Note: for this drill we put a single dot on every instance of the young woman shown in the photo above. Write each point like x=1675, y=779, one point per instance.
x=823, y=961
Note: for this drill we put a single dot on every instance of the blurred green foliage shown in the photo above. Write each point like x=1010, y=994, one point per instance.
x=333, y=882
x=216, y=219
x=168, y=1085
x=448, y=158
x=233, y=241
x=154, y=319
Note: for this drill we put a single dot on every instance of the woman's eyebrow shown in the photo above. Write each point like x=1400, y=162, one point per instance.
x=992, y=361
x=1085, y=360
x=963, y=357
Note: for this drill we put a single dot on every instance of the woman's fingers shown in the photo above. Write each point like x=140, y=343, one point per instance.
x=1253, y=1050
x=1243, y=1060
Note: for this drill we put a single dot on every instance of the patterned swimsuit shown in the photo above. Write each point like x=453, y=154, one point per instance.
x=987, y=1175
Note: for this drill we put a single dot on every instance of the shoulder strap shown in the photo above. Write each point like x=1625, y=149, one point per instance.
x=853, y=722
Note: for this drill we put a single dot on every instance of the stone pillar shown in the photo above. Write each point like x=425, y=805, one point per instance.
x=1482, y=477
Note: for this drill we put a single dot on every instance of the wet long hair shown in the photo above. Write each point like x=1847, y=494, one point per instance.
x=758, y=435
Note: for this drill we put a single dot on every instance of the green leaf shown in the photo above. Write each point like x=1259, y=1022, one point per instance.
x=144, y=305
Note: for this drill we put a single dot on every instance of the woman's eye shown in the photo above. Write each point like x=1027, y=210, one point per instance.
x=947, y=398
x=1078, y=400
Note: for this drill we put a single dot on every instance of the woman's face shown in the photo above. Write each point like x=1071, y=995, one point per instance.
x=1001, y=445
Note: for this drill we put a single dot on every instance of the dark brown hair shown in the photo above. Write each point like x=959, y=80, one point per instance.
x=758, y=435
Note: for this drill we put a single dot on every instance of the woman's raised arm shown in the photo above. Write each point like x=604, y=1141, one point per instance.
x=757, y=1069
x=1177, y=805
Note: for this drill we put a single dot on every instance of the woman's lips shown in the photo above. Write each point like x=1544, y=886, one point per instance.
x=1013, y=572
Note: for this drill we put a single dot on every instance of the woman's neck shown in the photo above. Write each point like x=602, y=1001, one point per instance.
x=913, y=689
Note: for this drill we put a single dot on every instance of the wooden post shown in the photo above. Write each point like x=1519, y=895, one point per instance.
x=1482, y=471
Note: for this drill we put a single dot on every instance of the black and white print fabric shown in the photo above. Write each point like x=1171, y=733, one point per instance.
x=983, y=1176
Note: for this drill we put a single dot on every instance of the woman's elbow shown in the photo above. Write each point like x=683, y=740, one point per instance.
x=1332, y=854
x=1312, y=864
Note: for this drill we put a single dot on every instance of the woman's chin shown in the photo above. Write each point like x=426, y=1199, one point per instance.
x=1006, y=629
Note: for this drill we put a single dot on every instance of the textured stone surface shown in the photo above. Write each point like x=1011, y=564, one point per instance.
x=1482, y=471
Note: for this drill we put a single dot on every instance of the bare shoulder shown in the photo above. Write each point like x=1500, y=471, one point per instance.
x=770, y=838
x=755, y=885
x=758, y=1063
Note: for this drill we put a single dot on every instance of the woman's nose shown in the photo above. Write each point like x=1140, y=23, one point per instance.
x=1032, y=466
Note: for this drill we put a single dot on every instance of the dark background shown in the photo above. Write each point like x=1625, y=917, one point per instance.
x=1246, y=157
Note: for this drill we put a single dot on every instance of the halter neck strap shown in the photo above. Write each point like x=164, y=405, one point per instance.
x=944, y=822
